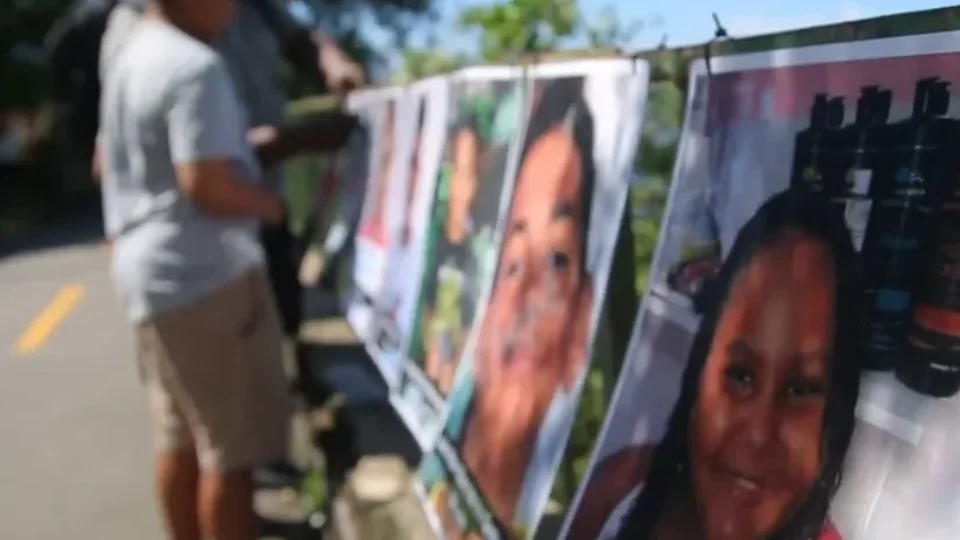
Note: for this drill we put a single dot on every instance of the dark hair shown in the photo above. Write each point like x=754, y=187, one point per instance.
x=419, y=125
x=389, y=113
x=421, y=112
x=815, y=218
x=562, y=100
x=476, y=115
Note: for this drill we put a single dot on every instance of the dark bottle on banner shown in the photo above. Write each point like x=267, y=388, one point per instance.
x=905, y=172
x=932, y=366
x=868, y=135
x=863, y=139
x=836, y=154
x=805, y=174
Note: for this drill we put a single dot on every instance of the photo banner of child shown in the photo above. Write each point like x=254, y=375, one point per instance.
x=370, y=255
x=482, y=138
x=793, y=373
x=518, y=386
x=346, y=180
x=422, y=136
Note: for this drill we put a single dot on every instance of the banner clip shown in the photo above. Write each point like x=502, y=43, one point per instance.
x=718, y=35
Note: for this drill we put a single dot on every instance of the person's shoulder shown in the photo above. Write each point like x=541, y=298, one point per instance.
x=122, y=25
x=199, y=61
x=186, y=55
x=167, y=53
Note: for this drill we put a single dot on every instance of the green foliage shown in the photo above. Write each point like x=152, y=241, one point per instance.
x=348, y=22
x=301, y=180
x=654, y=165
x=608, y=30
x=647, y=202
x=521, y=26
x=514, y=27
x=587, y=425
x=313, y=492
x=23, y=26
x=419, y=63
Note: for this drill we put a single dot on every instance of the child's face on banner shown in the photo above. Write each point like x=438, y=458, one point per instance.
x=758, y=421
x=541, y=295
x=463, y=182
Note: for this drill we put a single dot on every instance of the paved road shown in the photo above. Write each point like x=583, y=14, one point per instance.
x=74, y=445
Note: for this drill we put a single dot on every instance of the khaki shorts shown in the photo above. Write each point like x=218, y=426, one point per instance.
x=213, y=371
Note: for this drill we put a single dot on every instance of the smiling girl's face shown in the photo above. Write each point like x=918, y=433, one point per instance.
x=757, y=424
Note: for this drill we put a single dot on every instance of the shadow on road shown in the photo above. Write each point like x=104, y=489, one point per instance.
x=84, y=230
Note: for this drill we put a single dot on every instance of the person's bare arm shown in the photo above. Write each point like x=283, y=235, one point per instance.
x=341, y=72
x=317, y=56
x=211, y=186
x=203, y=121
x=321, y=133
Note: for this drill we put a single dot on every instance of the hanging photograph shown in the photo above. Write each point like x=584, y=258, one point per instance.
x=481, y=139
x=793, y=371
x=344, y=182
x=420, y=141
x=379, y=109
x=517, y=388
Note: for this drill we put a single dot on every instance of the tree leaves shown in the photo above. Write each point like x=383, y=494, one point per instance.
x=514, y=27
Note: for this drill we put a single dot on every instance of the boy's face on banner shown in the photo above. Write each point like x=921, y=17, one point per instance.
x=757, y=425
x=541, y=294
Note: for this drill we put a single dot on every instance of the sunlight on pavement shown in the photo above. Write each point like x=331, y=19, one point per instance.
x=47, y=322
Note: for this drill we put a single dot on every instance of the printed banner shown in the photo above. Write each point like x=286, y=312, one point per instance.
x=378, y=110
x=793, y=372
x=349, y=171
x=482, y=136
x=518, y=386
x=422, y=135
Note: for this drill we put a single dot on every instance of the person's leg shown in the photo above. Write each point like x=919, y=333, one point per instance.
x=226, y=505
x=176, y=474
x=177, y=481
x=227, y=349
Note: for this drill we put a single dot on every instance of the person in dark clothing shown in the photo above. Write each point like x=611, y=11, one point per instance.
x=73, y=52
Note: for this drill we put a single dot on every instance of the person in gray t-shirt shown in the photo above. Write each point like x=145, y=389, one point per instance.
x=259, y=36
x=167, y=250
x=183, y=197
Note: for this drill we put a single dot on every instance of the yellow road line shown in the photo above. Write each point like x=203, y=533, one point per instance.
x=44, y=325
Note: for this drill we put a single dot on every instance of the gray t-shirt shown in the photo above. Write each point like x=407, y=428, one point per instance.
x=250, y=50
x=168, y=99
